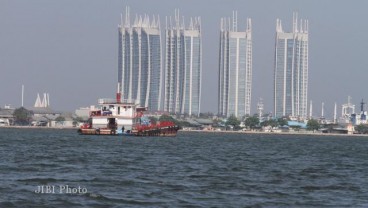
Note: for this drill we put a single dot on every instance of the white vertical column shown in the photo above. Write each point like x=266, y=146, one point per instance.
x=335, y=114
x=22, y=95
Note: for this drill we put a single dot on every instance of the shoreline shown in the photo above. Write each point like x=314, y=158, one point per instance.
x=277, y=133
x=36, y=127
x=208, y=131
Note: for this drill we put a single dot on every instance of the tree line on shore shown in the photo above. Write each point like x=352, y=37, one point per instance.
x=234, y=123
x=253, y=122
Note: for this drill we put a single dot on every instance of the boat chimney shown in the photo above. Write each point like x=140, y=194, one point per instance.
x=118, y=94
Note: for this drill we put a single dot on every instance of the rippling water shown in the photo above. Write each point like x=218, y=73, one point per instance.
x=191, y=170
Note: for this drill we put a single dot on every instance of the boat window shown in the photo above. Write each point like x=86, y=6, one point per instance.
x=119, y=110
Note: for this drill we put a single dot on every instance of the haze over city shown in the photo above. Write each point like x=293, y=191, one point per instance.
x=69, y=49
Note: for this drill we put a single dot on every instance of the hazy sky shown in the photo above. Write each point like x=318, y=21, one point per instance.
x=69, y=48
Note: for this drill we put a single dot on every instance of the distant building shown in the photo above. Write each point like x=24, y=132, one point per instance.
x=183, y=66
x=42, y=112
x=6, y=116
x=84, y=112
x=69, y=121
x=44, y=103
x=291, y=70
x=139, y=67
x=235, y=68
x=357, y=119
x=347, y=110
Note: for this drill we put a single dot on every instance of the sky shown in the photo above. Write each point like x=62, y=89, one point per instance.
x=69, y=48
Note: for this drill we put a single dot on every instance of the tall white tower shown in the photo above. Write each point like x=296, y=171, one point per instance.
x=235, y=68
x=183, y=65
x=139, y=65
x=291, y=70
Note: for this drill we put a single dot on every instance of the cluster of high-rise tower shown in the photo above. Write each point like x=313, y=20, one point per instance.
x=178, y=89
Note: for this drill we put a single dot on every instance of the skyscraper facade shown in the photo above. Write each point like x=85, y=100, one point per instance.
x=235, y=69
x=291, y=70
x=183, y=66
x=139, y=67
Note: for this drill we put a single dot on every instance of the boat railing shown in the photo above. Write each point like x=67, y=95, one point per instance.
x=113, y=101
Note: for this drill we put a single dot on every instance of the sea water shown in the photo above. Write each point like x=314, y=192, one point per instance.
x=59, y=168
